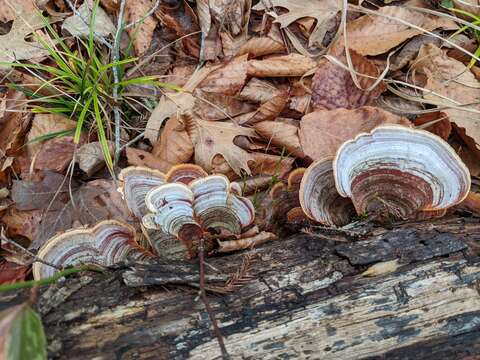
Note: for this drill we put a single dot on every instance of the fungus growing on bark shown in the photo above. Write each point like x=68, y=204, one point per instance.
x=105, y=244
x=396, y=172
x=319, y=198
x=209, y=204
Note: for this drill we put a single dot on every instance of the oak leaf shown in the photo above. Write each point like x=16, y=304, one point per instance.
x=227, y=79
x=212, y=138
x=13, y=46
x=322, y=10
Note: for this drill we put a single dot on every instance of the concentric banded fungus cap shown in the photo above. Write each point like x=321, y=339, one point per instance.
x=319, y=198
x=398, y=171
x=185, y=173
x=137, y=181
x=218, y=208
x=107, y=243
x=285, y=198
x=170, y=206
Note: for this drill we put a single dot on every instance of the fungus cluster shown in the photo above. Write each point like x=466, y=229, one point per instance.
x=392, y=172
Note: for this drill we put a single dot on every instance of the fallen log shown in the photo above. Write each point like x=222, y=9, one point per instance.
x=301, y=297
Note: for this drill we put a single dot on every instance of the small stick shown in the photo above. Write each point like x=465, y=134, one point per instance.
x=203, y=295
x=116, y=80
x=26, y=251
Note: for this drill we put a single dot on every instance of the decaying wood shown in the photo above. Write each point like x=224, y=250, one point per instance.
x=306, y=299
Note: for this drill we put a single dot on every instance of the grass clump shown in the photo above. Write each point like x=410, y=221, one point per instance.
x=80, y=85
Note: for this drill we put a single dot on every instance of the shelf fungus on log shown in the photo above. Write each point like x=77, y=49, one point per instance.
x=396, y=172
x=319, y=198
x=207, y=205
x=136, y=182
x=107, y=243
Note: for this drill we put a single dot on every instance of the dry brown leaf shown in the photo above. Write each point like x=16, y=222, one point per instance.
x=323, y=131
x=227, y=79
x=79, y=24
x=212, y=107
x=90, y=156
x=261, y=46
x=279, y=66
x=22, y=223
x=271, y=109
x=137, y=157
x=142, y=33
x=260, y=164
x=13, y=46
x=322, y=10
x=181, y=19
x=212, y=138
x=375, y=35
x=171, y=104
x=92, y=202
x=397, y=105
x=13, y=123
x=436, y=122
x=7, y=12
x=409, y=51
x=174, y=146
x=54, y=154
x=11, y=272
x=458, y=86
x=111, y=6
x=333, y=86
x=167, y=107
x=282, y=135
x=257, y=90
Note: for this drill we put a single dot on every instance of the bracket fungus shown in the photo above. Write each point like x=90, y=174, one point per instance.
x=319, y=198
x=137, y=181
x=185, y=203
x=107, y=243
x=195, y=204
x=397, y=172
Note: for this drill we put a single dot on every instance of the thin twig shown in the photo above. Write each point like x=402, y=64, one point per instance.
x=203, y=295
x=26, y=251
x=116, y=80
x=149, y=13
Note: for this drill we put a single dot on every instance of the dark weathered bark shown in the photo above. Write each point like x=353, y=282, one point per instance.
x=305, y=298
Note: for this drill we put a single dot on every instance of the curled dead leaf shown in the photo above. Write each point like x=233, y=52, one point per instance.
x=227, y=79
x=376, y=34
x=261, y=46
x=174, y=146
x=283, y=65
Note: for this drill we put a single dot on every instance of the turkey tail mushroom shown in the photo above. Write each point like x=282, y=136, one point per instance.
x=185, y=173
x=107, y=243
x=319, y=198
x=396, y=172
x=136, y=182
